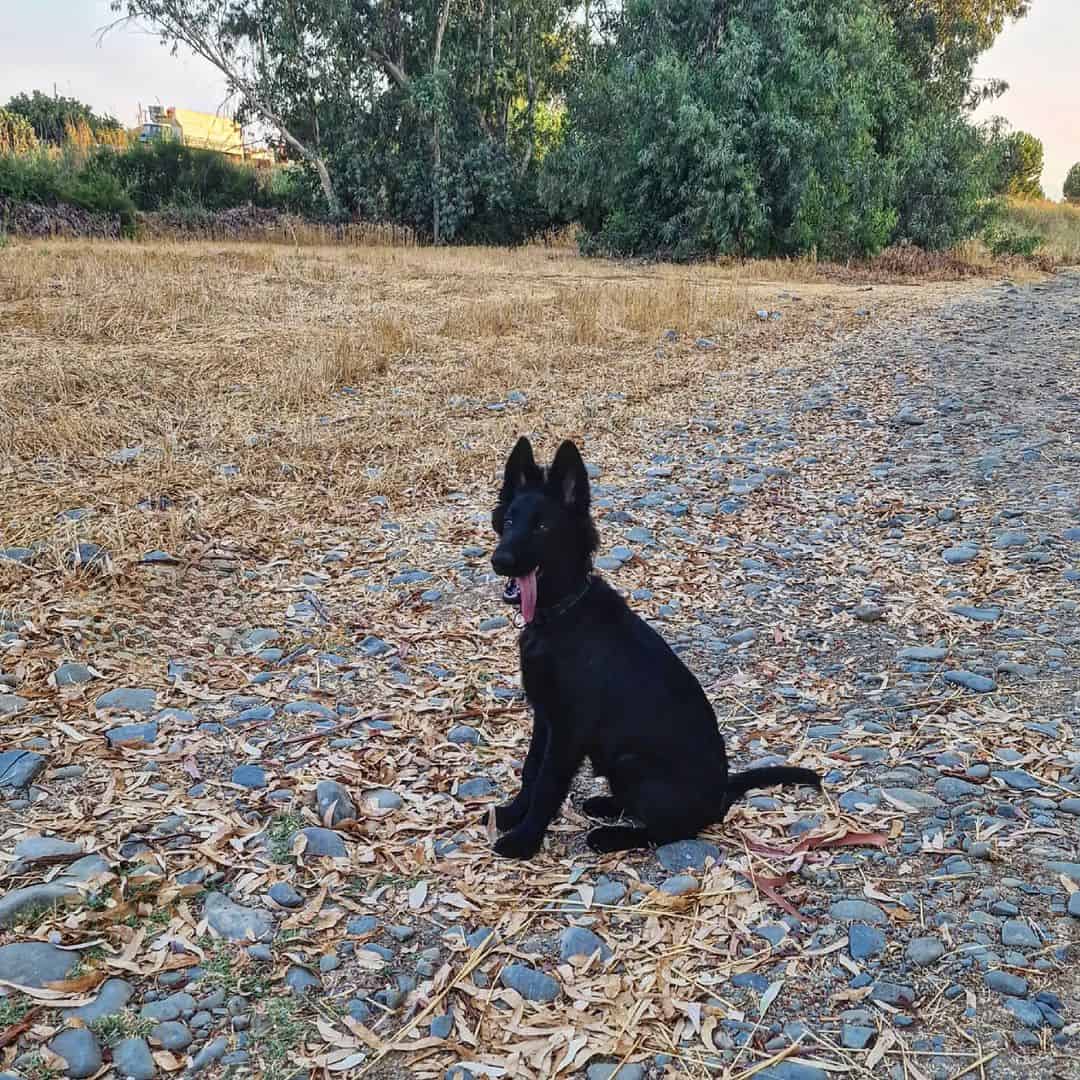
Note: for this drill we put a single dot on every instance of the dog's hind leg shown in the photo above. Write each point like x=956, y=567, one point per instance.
x=603, y=806
x=608, y=838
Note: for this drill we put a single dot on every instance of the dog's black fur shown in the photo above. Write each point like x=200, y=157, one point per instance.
x=602, y=683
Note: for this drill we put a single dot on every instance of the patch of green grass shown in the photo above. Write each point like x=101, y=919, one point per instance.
x=123, y=1025
x=34, y=1068
x=281, y=1030
x=280, y=831
x=13, y=1009
x=221, y=969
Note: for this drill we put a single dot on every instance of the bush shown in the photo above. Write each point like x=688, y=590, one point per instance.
x=1003, y=238
x=777, y=127
x=50, y=178
x=1072, y=185
x=16, y=134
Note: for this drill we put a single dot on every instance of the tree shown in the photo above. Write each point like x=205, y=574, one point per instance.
x=53, y=117
x=942, y=39
x=17, y=136
x=1021, y=166
x=758, y=127
x=272, y=53
x=1072, y=185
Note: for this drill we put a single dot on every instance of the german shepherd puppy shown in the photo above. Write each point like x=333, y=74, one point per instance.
x=602, y=683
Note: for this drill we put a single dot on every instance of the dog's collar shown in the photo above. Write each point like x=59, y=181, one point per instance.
x=550, y=614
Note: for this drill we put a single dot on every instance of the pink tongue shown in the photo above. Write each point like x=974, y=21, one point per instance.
x=527, y=590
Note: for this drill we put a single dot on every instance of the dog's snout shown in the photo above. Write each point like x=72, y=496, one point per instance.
x=502, y=562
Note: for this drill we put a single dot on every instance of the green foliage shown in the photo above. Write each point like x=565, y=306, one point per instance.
x=119, y=1026
x=162, y=174
x=1004, y=238
x=1072, y=184
x=16, y=133
x=51, y=116
x=1020, y=165
x=785, y=126
x=51, y=178
x=12, y=1009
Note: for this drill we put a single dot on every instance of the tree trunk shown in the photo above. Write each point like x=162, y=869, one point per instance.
x=436, y=142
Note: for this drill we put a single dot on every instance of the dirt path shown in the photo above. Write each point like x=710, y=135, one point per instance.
x=871, y=558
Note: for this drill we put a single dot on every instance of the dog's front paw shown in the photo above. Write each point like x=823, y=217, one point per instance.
x=511, y=814
x=518, y=844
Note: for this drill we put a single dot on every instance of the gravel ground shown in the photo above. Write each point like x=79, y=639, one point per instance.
x=871, y=560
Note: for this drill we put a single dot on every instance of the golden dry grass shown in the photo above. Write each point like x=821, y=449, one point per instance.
x=269, y=385
x=1058, y=224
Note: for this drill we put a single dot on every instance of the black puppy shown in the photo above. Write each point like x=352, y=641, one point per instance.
x=602, y=683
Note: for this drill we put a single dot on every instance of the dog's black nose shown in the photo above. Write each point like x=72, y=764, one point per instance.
x=502, y=562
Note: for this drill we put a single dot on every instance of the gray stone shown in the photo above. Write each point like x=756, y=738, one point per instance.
x=19, y=902
x=282, y=893
x=864, y=941
x=128, y=699
x=969, y=680
x=1012, y=538
x=71, y=674
x=173, y=1035
x=792, y=1070
x=686, y=855
x=329, y=793
x=19, y=768
x=301, y=981
x=858, y=910
x=384, y=799
x=1004, y=982
x=478, y=788
x=35, y=963
x=1017, y=779
x=1016, y=934
x=960, y=554
x=132, y=1060
x=977, y=614
x=923, y=951
x=324, y=844
x=1027, y=1012
x=235, y=922
x=111, y=999
x=32, y=849
x=678, y=885
x=252, y=777
x=856, y=1037
x=923, y=653
x=604, y=1071
x=133, y=733
x=577, y=941
x=210, y=1054
x=442, y=1025
x=917, y=800
x=1069, y=869
x=463, y=735
x=12, y=704
x=953, y=789
x=531, y=984
x=891, y=993
x=1074, y=905
x=80, y=1049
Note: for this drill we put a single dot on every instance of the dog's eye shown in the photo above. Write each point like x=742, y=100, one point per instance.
x=507, y=522
x=541, y=526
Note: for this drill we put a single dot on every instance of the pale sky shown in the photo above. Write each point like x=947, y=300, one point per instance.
x=51, y=42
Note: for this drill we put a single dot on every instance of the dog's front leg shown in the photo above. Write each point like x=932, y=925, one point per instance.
x=548, y=793
x=511, y=814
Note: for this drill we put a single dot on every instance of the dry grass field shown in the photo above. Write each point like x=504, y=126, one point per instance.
x=244, y=492
x=195, y=393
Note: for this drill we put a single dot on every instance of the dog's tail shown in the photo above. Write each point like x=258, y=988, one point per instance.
x=740, y=783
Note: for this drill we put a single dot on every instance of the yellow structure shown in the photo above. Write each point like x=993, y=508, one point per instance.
x=206, y=131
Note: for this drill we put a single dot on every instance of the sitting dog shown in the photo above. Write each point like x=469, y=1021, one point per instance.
x=602, y=683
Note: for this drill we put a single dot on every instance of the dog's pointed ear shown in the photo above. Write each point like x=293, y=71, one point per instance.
x=521, y=471
x=567, y=479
